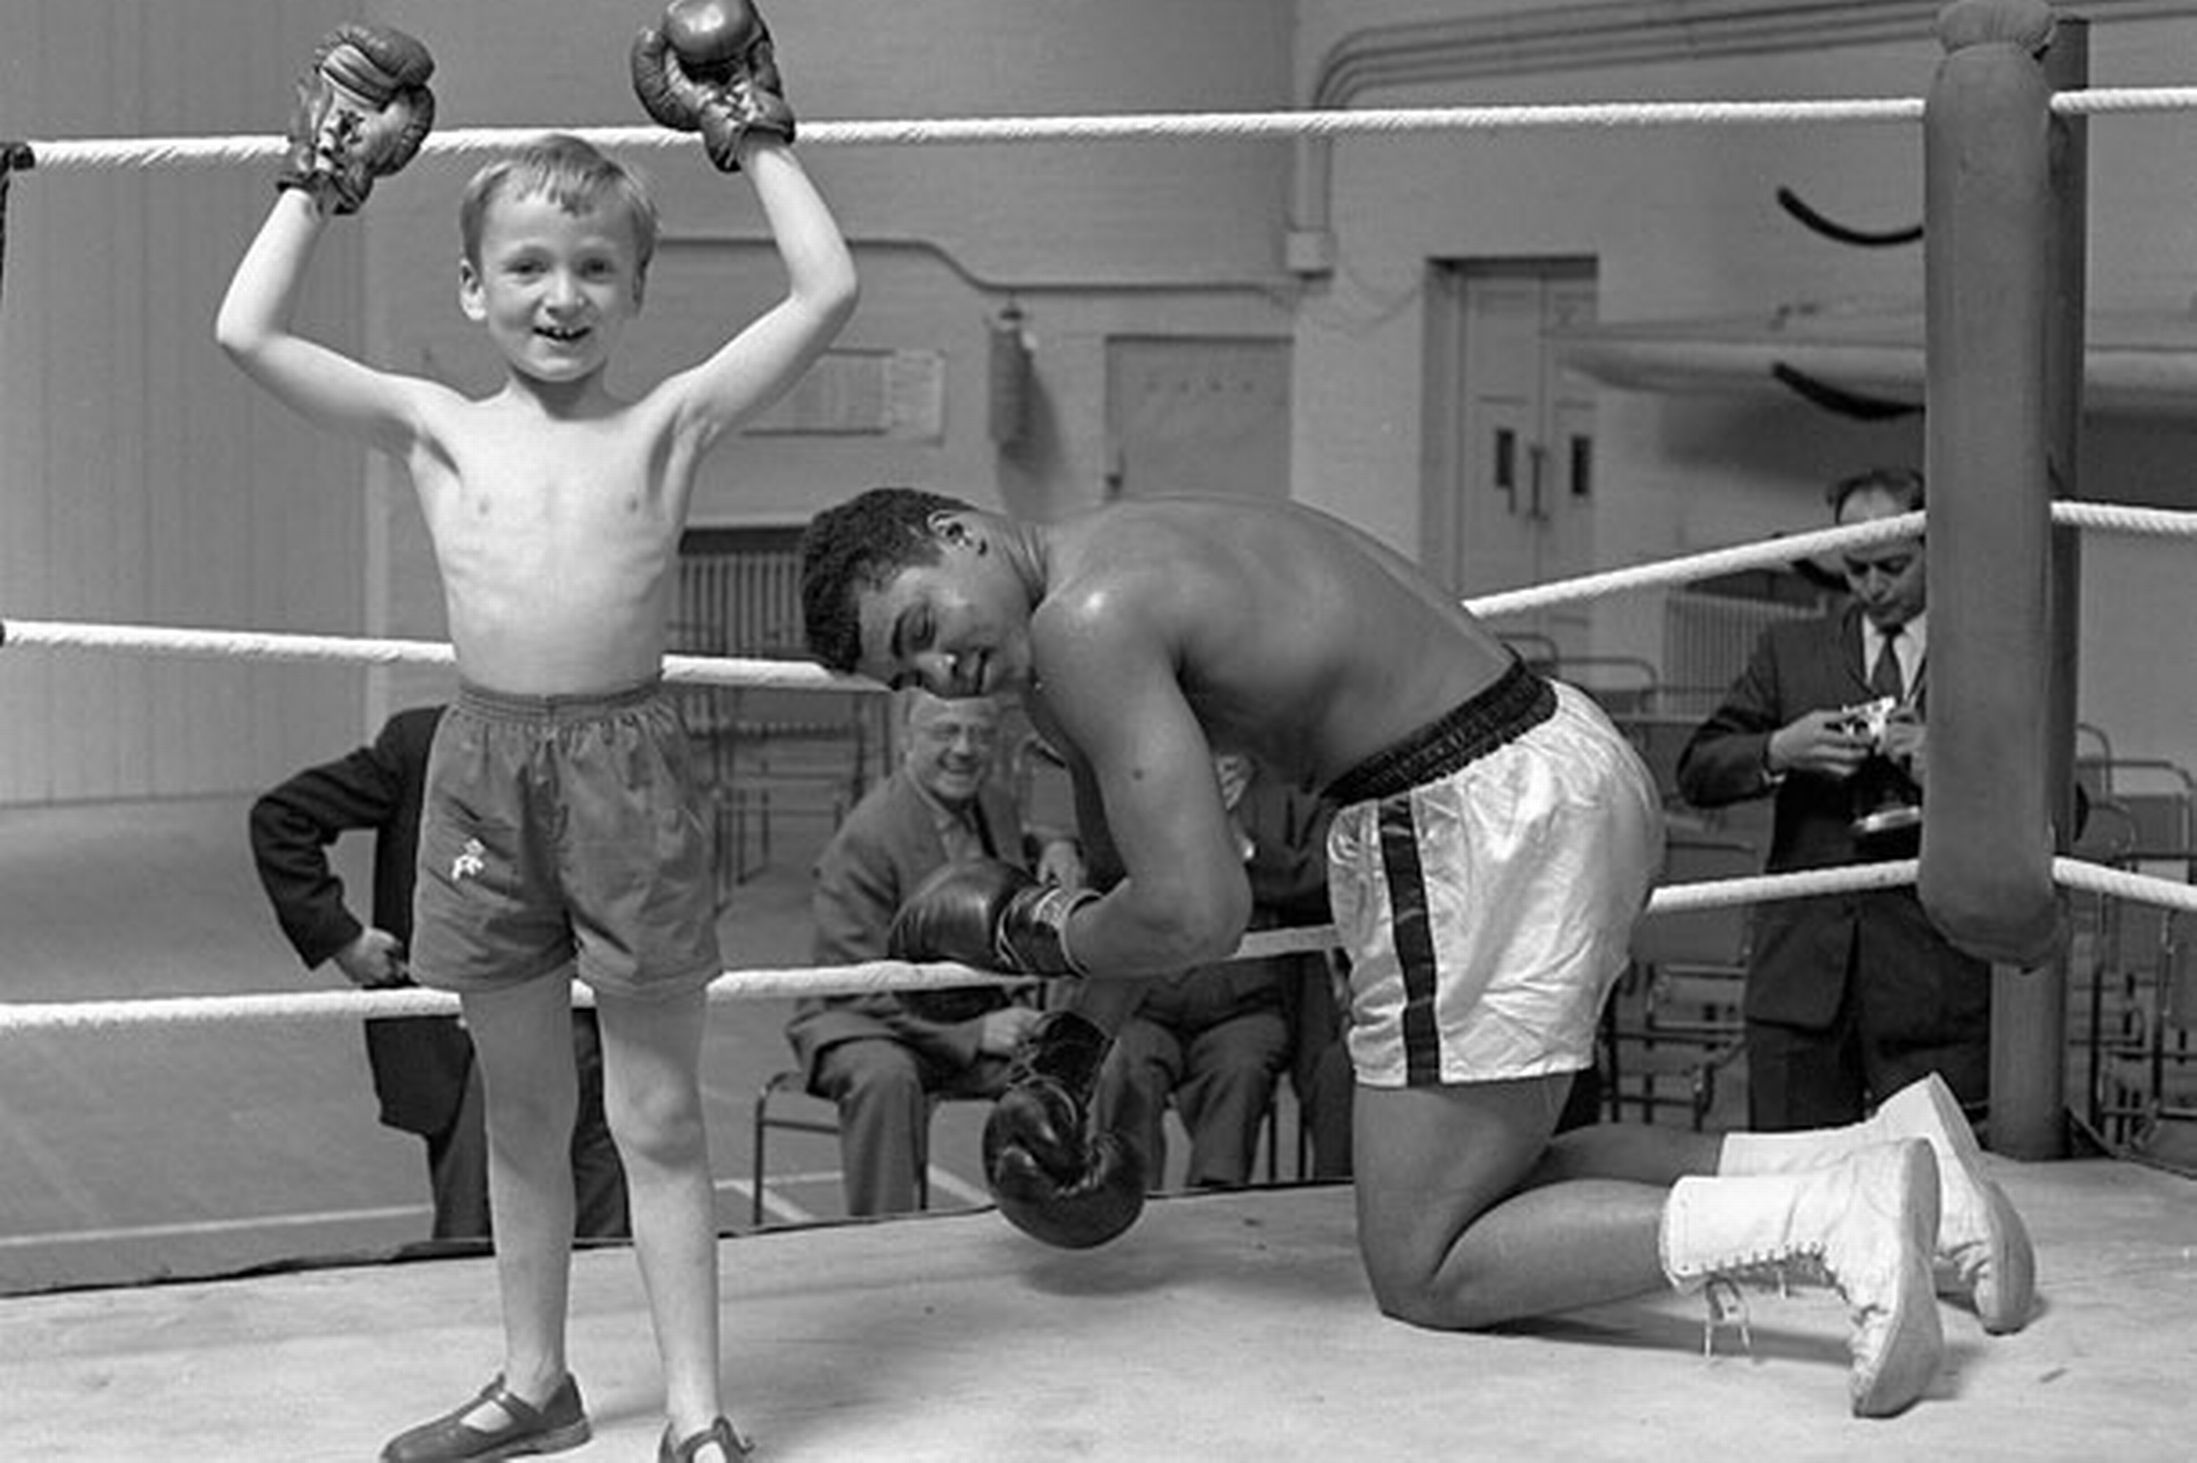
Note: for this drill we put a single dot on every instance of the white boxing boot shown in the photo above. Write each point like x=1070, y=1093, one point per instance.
x=1983, y=1248
x=1862, y=1225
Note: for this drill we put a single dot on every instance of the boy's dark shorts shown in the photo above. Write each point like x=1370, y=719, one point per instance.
x=559, y=831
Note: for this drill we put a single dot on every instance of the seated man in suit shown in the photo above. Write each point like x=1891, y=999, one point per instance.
x=882, y=1056
x=1214, y=1038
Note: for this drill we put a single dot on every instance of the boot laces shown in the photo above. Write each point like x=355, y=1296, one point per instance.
x=1727, y=1305
x=1727, y=1300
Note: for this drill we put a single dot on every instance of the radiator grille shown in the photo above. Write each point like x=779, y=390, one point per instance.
x=739, y=598
x=1706, y=641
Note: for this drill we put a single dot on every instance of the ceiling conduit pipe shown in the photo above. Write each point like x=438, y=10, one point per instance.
x=1541, y=39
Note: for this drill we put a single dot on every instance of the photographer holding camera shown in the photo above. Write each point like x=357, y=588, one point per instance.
x=1849, y=996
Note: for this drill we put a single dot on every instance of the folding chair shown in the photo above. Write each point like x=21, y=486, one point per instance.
x=2097, y=1014
x=820, y=1118
x=1676, y=1016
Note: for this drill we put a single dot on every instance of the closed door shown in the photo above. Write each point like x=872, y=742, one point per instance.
x=1198, y=414
x=1511, y=486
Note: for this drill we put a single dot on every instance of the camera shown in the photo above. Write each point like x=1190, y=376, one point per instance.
x=1887, y=804
x=1866, y=719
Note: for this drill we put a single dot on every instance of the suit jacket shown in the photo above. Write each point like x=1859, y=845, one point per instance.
x=420, y=1063
x=1288, y=873
x=1803, y=949
x=1287, y=870
x=886, y=847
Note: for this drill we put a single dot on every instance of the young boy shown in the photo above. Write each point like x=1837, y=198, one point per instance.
x=558, y=835
x=1494, y=839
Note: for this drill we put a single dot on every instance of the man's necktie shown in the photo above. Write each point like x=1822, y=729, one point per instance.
x=982, y=829
x=967, y=836
x=1885, y=680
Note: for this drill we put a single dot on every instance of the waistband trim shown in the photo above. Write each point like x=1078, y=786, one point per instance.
x=1513, y=704
x=552, y=710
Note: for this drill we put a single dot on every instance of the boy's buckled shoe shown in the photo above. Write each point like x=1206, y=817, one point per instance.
x=556, y=1425
x=737, y=1449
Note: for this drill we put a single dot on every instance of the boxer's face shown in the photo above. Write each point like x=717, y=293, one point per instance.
x=957, y=627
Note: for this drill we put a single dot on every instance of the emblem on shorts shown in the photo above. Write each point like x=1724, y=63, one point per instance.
x=470, y=860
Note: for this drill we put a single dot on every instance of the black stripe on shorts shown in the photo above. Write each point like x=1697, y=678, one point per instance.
x=1412, y=931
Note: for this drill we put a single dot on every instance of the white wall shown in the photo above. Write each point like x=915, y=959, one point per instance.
x=141, y=480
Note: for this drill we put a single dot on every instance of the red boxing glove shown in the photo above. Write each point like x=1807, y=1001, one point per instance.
x=362, y=113
x=987, y=914
x=1052, y=1178
x=710, y=68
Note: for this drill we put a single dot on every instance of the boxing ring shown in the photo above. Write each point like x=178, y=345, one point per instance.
x=1234, y=1328
x=954, y=1337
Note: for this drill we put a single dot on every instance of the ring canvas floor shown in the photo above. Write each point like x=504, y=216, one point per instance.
x=1232, y=1327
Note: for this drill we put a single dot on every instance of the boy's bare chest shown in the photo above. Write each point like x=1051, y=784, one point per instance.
x=559, y=484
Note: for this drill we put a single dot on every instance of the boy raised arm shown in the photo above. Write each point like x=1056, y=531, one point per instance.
x=363, y=109
x=711, y=68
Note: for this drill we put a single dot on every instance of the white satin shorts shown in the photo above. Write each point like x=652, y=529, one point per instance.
x=1488, y=910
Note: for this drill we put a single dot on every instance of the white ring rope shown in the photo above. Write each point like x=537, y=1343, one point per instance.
x=799, y=675
x=1139, y=126
x=1776, y=551
x=2121, y=883
x=2123, y=100
x=878, y=975
x=701, y=670
x=1120, y=127
x=2122, y=518
x=311, y=1006
x=2067, y=513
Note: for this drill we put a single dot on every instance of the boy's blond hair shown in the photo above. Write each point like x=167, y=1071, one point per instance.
x=571, y=173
